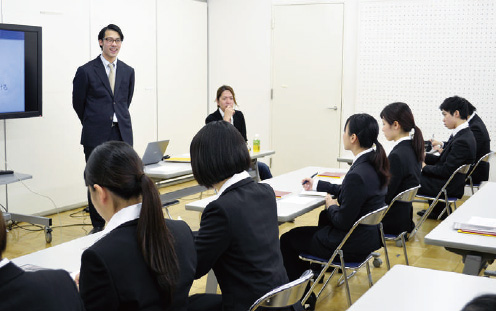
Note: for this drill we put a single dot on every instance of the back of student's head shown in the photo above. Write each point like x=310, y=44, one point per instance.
x=116, y=166
x=3, y=235
x=366, y=128
x=481, y=303
x=218, y=151
x=471, y=108
x=401, y=113
x=452, y=104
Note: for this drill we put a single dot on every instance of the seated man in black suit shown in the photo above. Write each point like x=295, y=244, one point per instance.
x=459, y=150
x=482, y=140
x=39, y=290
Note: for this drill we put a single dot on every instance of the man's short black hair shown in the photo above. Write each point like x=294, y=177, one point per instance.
x=101, y=34
x=452, y=104
x=481, y=303
x=218, y=151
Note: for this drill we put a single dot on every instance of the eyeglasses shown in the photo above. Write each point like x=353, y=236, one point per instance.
x=112, y=40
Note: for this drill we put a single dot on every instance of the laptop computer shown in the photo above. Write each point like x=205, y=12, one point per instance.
x=154, y=152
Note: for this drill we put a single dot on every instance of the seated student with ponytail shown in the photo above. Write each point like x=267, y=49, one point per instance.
x=141, y=262
x=362, y=191
x=405, y=162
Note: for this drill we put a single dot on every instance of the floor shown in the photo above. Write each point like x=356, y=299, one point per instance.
x=24, y=239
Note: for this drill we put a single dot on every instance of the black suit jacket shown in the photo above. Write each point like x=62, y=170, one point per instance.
x=114, y=275
x=359, y=194
x=483, y=141
x=95, y=104
x=39, y=290
x=239, y=121
x=457, y=151
x=239, y=240
x=405, y=174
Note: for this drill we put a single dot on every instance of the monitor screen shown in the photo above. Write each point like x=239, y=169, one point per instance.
x=20, y=71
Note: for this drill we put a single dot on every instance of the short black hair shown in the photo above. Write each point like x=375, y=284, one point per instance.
x=471, y=108
x=3, y=235
x=218, y=151
x=452, y=104
x=481, y=303
x=101, y=34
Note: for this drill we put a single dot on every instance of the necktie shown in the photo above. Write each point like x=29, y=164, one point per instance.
x=112, y=77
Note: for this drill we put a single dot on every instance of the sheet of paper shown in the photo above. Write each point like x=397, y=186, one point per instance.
x=482, y=221
x=313, y=193
x=298, y=200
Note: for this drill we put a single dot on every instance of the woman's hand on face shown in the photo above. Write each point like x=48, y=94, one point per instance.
x=307, y=183
x=228, y=113
x=330, y=201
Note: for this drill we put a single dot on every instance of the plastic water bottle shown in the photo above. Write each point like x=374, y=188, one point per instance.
x=256, y=143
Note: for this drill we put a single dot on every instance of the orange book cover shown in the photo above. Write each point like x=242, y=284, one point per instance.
x=280, y=194
x=331, y=175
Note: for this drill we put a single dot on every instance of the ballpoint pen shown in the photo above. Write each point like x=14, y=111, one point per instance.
x=306, y=181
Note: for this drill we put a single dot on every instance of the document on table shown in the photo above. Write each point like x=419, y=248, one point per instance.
x=298, y=200
x=314, y=193
x=477, y=224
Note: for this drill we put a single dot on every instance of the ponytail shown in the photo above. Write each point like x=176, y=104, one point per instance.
x=116, y=166
x=418, y=144
x=381, y=163
x=155, y=239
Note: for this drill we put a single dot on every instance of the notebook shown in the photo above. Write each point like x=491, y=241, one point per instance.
x=155, y=151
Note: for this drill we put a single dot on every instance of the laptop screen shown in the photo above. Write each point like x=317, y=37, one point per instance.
x=155, y=151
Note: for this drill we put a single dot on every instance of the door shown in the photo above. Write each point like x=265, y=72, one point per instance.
x=307, y=59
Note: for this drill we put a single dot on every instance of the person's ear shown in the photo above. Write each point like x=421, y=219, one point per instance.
x=100, y=193
x=353, y=138
x=456, y=114
x=396, y=125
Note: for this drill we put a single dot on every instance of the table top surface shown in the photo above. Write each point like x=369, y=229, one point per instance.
x=480, y=204
x=12, y=178
x=167, y=170
x=293, y=204
x=433, y=289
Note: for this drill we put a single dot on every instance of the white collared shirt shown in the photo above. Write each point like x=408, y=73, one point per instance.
x=4, y=262
x=472, y=116
x=222, y=114
x=106, y=65
x=231, y=181
x=362, y=153
x=401, y=139
x=460, y=127
x=126, y=214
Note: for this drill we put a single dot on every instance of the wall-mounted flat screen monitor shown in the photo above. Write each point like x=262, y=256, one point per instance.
x=20, y=71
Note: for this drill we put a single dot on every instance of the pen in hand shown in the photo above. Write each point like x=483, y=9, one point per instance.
x=306, y=181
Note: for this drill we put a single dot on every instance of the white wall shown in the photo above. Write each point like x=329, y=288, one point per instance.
x=48, y=147
x=239, y=55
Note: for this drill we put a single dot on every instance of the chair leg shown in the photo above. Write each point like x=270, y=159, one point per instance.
x=385, y=247
x=348, y=295
x=403, y=240
x=369, y=275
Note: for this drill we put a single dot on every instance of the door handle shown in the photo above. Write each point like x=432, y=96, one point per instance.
x=333, y=108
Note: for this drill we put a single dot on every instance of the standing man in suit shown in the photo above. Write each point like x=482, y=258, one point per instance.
x=38, y=290
x=459, y=150
x=102, y=92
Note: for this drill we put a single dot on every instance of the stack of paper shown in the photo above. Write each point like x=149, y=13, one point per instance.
x=477, y=225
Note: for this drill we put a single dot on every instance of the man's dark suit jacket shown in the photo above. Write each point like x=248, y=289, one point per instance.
x=239, y=240
x=39, y=290
x=114, y=275
x=95, y=104
x=459, y=150
x=359, y=194
x=405, y=174
x=483, y=141
x=239, y=121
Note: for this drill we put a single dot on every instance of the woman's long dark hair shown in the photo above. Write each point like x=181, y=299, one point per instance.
x=366, y=128
x=116, y=166
x=401, y=113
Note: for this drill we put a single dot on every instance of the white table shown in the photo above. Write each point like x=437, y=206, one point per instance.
x=432, y=289
x=475, y=249
x=292, y=205
x=65, y=256
x=168, y=170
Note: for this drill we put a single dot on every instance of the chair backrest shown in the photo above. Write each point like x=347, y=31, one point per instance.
x=405, y=196
x=372, y=218
x=285, y=295
x=484, y=158
x=463, y=169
